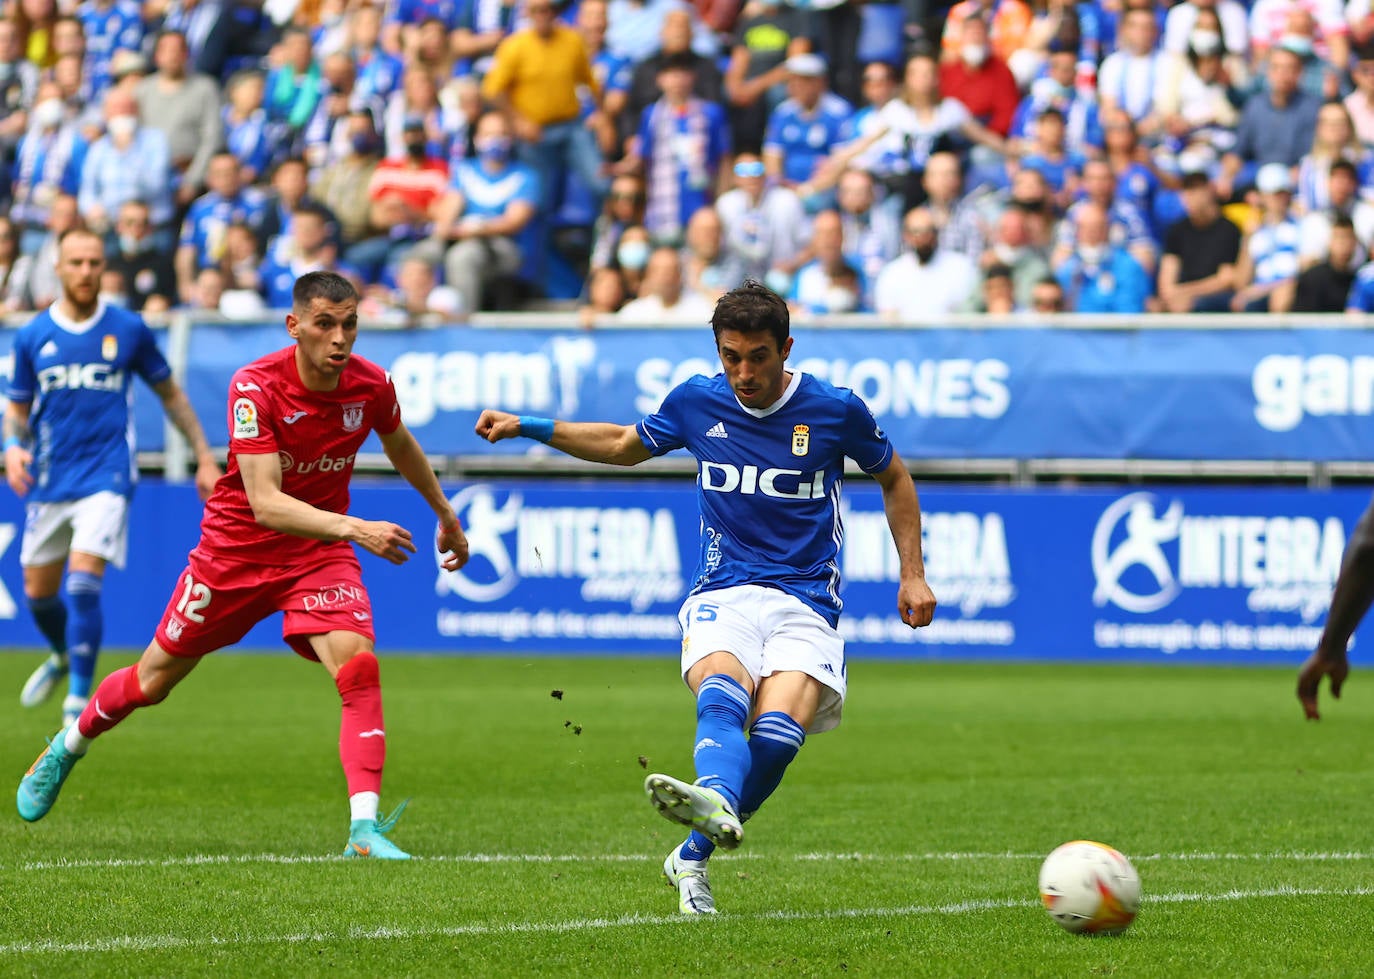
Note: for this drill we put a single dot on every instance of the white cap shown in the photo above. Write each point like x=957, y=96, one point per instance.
x=810, y=65
x=1273, y=178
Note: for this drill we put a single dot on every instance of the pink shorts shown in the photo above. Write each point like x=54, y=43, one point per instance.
x=216, y=602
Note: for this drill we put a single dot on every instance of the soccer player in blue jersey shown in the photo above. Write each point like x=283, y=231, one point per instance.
x=760, y=650
x=69, y=453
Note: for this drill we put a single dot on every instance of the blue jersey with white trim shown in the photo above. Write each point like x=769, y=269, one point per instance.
x=81, y=376
x=768, y=481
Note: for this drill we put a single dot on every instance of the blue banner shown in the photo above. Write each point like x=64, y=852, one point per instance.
x=1293, y=394
x=601, y=566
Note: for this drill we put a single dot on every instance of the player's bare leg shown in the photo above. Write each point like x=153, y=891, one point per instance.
x=42, y=584
x=148, y=681
x=350, y=660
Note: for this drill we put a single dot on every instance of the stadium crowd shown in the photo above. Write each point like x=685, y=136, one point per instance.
x=640, y=157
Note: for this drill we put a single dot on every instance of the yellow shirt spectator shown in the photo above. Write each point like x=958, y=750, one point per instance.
x=540, y=71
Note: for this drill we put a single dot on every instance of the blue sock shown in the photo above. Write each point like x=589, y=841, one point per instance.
x=50, y=615
x=87, y=626
x=721, y=754
x=774, y=740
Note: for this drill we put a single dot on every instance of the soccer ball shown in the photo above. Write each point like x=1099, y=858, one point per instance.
x=1089, y=888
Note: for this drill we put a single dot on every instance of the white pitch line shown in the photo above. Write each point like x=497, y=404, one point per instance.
x=203, y=859
x=150, y=943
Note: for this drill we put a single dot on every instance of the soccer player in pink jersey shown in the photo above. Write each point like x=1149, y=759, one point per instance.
x=274, y=538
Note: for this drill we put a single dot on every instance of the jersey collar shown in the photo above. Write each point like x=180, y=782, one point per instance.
x=77, y=326
x=787, y=393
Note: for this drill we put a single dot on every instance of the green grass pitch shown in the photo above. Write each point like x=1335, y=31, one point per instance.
x=201, y=837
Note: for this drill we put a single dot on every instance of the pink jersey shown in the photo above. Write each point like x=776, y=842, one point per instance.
x=315, y=434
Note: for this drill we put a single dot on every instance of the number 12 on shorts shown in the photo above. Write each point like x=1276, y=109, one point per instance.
x=194, y=598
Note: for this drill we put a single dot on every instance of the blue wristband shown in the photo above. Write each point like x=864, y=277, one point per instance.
x=539, y=429
x=14, y=441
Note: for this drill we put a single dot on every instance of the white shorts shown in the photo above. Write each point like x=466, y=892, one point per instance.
x=768, y=631
x=97, y=524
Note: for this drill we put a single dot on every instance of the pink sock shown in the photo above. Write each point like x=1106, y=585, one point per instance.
x=118, y=696
x=362, y=739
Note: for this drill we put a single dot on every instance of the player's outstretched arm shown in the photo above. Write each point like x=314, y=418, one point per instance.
x=183, y=416
x=618, y=445
x=17, y=458
x=284, y=513
x=1349, y=603
x=915, y=600
x=410, y=461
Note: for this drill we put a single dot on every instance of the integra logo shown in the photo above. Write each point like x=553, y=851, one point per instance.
x=780, y=484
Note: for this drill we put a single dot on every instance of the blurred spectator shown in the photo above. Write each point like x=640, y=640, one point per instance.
x=705, y=269
x=1129, y=77
x=1232, y=20
x=534, y=80
x=343, y=186
x=885, y=160
x=305, y=248
x=636, y=28
x=405, y=17
x=417, y=299
x=1361, y=101
x=624, y=208
x=43, y=285
x=289, y=190
x=1013, y=244
x=605, y=296
x=662, y=298
x=1047, y=153
x=805, y=127
x=418, y=99
x=828, y=283
x=1136, y=181
x=632, y=257
x=203, y=25
x=1047, y=298
x=185, y=107
x=49, y=162
x=430, y=47
x=15, y=268
x=980, y=80
x=294, y=86
x=926, y=281
x=226, y=202
x=479, y=31
x=1276, y=125
x=675, y=45
x=489, y=203
x=1314, y=230
x=769, y=32
x=1011, y=19
x=128, y=163
x=1097, y=276
x=999, y=299
x=681, y=145
x=18, y=87
x=127, y=70
x=206, y=293
x=378, y=71
x=1325, y=286
x=603, y=104
x=242, y=261
x=1127, y=227
x=145, y=265
x=1057, y=90
x=246, y=132
x=765, y=227
x=1333, y=139
x=1271, y=29
x=955, y=215
x=1197, y=272
x=1195, y=100
x=34, y=20
x=1268, y=267
x=109, y=26
x=327, y=137
x=872, y=235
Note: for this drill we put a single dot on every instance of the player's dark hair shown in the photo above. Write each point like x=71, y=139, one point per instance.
x=330, y=286
x=752, y=308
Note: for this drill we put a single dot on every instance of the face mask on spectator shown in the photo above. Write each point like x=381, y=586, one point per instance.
x=365, y=143
x=1047, y=90
x=496, y=148
x=1092, y=254
x=633, y=255
x=838, y=299
x=47, y=114
x=416, y=148
x=1298, y=44
x=1008, y=254
x=974, y=54
x=122, y=127
x=115, y=299
x=130, y=245
x=1204, y=42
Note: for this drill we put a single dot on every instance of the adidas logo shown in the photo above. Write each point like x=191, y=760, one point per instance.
x=717, y=431
x=48, y=349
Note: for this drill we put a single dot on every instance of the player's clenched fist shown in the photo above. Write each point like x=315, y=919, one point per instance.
x=384, y=539
x=497, y=425
x=916, y=602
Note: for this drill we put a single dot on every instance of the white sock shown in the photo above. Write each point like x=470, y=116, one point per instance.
x=75, y=742
x=363, y=805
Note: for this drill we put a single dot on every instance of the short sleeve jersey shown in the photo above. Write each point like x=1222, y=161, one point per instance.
x=316, y=436
x=81, y=374
x=768, y=481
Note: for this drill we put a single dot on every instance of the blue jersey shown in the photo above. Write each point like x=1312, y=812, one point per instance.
x=769, y=481
x=81, y=375
x=209, y=218
x=108, y=29
x=806, y=138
